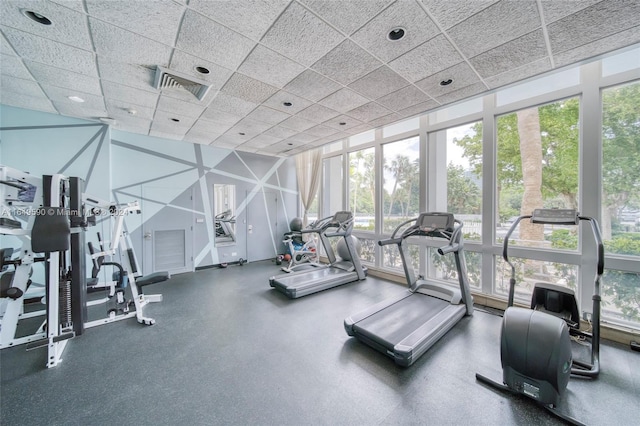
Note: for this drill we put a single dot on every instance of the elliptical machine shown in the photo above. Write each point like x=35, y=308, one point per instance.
x=535, y=346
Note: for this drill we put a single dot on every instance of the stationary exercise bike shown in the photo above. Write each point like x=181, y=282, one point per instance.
x=301, y=252
x=535, y=346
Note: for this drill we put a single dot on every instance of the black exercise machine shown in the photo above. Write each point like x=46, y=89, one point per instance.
x=535, y=344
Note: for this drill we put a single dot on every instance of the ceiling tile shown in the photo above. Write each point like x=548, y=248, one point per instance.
x=232, y=138
x=461, y=74
x=519, y=73
x=383, y=121
x=196, y=136
x=451, y=12
x=277, y=102
x=76, y=5
x=270, y=67
x=351, y=14
x=12, y=66
x=280, y=132
x=5, y=47
x=52, y=53
x=368, y=112
x=169, y=104
x=62, y=78
x=125, y=46
x=511, y=19
x=221, y=117
x=268, y=115
x=39, y=103
x=427, y=59
x=349, y=122
x=525, y=49
x=262, y=141
x=247, y=17
x=554, y=9
x=68, y=26
x=248, y=89
x=318, y=113
x=158, y=20
x=129, y=94
x=297, y=123
x=164, y=121
x=132, y=75
x=301, y=36
x=209, y=40
x=178, y=136
x=232, y=105
x=118, y=109
x=346, y=62
x=19, y=85
x=301, y=138
x=403, y=98
x=133, y=124
x=311, y=85
x=250, y=128
x=419, y=108
x=212, y=127
x=465, y=92
x=344, y=100
x=71, y=109
x=604, y=45
x=321, y=131
x=593, y=23
x=409, y=16
x=379, y=82
x=60, y=96
x=186, y=64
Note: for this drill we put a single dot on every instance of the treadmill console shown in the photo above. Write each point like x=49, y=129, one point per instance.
x=429, y=222
x=555, y=216
x=341, y=217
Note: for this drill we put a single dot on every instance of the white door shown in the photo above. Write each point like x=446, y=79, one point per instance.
x=167, y=230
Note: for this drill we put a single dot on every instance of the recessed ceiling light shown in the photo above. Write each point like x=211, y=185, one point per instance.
x=446, y=82
x=132, y=111
x=35, y=16
x=287, y=104
x=289, y=143
x=242, y=133
x=177, y=120
x=396, y=34
x=342, y=123
x=202, y=70
x=75, y=99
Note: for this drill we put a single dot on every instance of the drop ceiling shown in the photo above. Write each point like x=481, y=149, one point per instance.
x=284, y=76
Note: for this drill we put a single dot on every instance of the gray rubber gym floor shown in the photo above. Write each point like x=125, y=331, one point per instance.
x=228, y=349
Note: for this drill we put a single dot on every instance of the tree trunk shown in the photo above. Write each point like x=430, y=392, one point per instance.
x=531, y=158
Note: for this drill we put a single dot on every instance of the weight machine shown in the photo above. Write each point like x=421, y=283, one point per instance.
x=47, y=217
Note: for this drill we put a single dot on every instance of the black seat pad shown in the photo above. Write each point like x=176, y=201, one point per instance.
x=156, y=277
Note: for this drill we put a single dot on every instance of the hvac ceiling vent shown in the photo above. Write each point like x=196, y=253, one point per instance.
x=172, y=80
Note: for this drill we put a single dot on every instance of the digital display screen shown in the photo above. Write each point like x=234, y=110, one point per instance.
x=342, y=217
x=431, y=221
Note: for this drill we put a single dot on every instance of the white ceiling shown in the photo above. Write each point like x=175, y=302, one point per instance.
x=331, y=59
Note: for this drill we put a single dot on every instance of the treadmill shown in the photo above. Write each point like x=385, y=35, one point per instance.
x=337, y=272
x=406, y=326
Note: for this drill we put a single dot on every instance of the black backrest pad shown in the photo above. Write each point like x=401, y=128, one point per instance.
x=51, y=230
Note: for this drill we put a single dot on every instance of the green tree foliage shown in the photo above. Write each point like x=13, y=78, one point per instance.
x=362, y=182
x=621, y=150
x=463, y=195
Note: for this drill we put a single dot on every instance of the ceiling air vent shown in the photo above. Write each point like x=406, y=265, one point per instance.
x=172, y=80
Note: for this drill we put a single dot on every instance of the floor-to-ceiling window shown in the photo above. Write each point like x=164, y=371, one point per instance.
x=620, y=223
x=493, y=158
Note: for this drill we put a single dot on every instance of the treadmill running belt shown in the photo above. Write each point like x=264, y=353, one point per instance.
x=394, y=323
